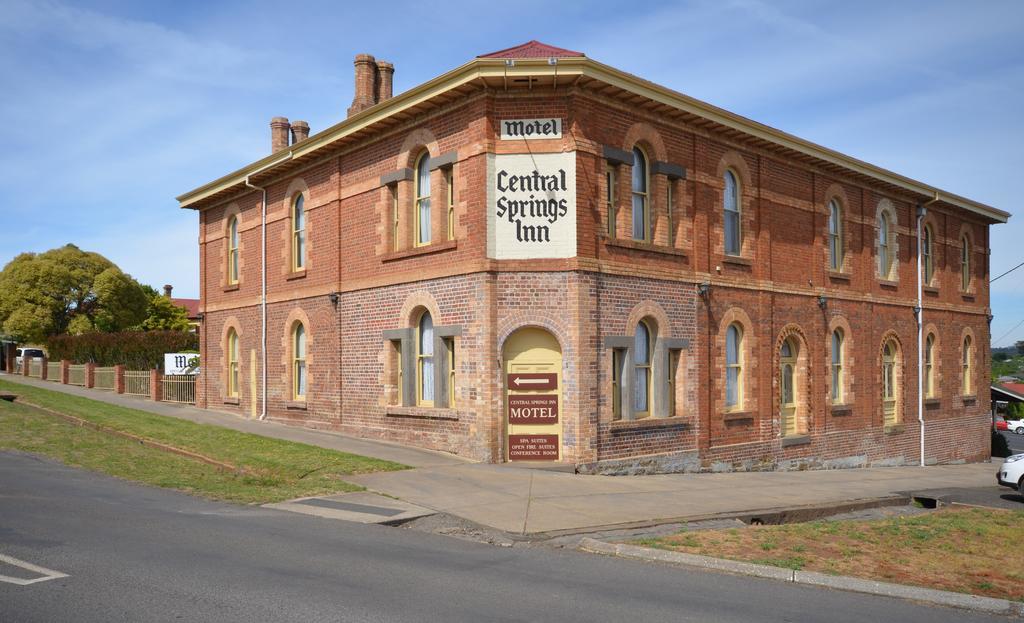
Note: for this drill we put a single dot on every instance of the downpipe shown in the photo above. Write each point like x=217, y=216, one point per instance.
x=263, y=280
x=922, y=211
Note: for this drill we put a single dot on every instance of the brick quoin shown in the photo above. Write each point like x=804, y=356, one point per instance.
x=363, y=278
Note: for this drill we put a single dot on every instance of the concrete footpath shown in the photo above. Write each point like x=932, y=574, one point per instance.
x=547, y=503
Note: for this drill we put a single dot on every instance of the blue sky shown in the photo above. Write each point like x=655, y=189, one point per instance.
x=111, y=109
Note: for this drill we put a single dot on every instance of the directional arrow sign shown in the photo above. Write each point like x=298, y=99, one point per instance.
x=535, y=380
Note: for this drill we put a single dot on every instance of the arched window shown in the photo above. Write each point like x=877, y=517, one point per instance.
x=298, y=234
x=233, y=250
x=929, y=366
x=835, y=236
x=787, y=387
x=642, y=366
x=299, y=362
x=890, y=413
x=733, y=367
x=927, y=258
x=965, y=264
x=425, y=361
x=968, y=365
x=641, y=225
x=232, y=364
x=731, y=205
x=837, y=366
x=884, y=251
x=422, y=207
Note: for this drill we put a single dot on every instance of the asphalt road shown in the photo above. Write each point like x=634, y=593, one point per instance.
x=1015, y=441
x=134, y=553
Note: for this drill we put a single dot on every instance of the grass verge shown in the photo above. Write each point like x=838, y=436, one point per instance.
x=967, y=550
x=272, y=469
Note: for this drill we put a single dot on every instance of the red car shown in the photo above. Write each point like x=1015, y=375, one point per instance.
x=1001, y=424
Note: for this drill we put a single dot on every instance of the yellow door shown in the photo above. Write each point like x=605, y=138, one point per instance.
x=533, y=396
x=787, y=390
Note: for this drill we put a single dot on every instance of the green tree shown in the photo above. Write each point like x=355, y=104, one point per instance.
x=163, y=314
x=67, y=289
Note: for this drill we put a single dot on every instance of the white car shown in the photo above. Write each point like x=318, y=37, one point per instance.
x=1011, y=474
x=1016, y=426
x=36, y=353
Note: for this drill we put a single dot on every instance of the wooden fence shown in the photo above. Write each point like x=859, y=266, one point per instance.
x=76, y=374
x=104, y=378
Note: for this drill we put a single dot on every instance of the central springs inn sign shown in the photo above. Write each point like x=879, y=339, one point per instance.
x=531, y=200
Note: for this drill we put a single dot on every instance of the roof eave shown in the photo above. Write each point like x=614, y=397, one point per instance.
x=482, y=68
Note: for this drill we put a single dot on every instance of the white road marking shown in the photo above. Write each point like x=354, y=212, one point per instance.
x=46, y=574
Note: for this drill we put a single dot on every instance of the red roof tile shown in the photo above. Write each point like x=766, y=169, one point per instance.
x=532, y=49
x=190, y=305
x=1014, y=387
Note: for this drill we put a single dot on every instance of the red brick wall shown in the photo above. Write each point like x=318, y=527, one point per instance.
x=774, y=286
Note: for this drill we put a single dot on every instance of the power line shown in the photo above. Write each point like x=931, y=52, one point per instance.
x=1007, y=272
x=1008, y=332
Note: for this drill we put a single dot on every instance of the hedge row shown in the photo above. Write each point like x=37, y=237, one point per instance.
x=136, y=350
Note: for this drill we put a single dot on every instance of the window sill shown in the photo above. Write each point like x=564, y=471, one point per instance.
x=231, y=401
x=893, y=429
x=427, y=249
x=231, y=287
x=969, y=400
x=737, y=260
x=929, y=289
x=967, y=297
x=839, y=276
x=842, y=410
x=423, y=413
x=648, y=423
x=796, y=440
x=888, y=283
x=296, y=274
x=650, y=247
x=296, y=405
x=730, y=417
x=932, y=403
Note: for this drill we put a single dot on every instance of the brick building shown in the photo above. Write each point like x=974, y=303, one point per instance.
x=537, y=256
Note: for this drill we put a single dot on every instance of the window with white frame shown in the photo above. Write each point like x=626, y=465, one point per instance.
x=731, y=214
x=835, y=236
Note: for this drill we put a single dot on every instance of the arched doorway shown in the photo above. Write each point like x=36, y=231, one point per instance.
x=533, y=396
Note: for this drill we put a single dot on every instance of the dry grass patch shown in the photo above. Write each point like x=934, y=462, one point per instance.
x=967, y=550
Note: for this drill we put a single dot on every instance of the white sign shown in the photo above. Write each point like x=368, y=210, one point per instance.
x=181, y=363
x=531, y=205
x=530, y=128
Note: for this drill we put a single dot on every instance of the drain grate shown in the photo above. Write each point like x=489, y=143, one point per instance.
x=355, y=508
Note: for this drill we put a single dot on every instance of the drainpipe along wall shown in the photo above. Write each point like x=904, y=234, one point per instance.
x=922, y=210
x=263, y=281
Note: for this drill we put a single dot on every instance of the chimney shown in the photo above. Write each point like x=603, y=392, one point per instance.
x=385, y=73
x=167, y=290
x=278, y=133
x=366, y=84
x=300, y=131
